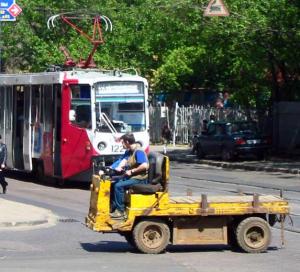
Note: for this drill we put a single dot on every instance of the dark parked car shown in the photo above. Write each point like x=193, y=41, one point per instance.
x=231, y=139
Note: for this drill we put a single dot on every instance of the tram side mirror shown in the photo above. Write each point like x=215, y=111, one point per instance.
x=72, y=115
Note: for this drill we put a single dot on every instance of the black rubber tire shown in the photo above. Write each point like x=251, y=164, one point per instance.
x=151, y=236
x=226, y=155
x=261, y=156
x=199, y=152
x=253, y=235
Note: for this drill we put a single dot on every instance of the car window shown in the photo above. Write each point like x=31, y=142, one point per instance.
x=247, y=127
x=242, y=127
x=216, y=129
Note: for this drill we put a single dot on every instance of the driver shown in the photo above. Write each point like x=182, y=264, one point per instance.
x=134, y=163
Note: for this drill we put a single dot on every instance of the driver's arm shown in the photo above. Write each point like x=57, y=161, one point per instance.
x=121, y=165
x=141, y=168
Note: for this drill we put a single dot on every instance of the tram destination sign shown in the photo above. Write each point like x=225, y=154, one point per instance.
x=9, y=10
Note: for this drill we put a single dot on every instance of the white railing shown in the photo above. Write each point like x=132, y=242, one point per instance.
x=185, y=122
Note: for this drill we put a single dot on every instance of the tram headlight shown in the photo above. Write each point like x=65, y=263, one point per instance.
x=102, y=146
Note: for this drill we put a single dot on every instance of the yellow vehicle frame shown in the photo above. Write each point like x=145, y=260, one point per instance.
x=155, y=220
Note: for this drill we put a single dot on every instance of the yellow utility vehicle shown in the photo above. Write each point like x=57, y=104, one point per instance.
x=154, y=219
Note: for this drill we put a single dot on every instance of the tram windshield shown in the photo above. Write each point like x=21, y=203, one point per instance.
x=120, y=106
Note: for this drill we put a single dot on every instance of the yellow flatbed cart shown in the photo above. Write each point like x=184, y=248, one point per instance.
x=154, y=219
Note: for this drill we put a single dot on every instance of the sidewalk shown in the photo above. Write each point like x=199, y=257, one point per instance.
x=15, y=215
x=274, y=164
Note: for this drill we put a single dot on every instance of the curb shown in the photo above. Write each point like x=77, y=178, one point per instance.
x=16, y=215
x=228, y=165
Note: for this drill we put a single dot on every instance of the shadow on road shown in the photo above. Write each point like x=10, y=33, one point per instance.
x=122, y=247
x=22, y=176
x=108, y=246
x=50, y=182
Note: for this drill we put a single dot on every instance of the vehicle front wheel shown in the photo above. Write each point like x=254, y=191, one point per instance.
x=151, y=236
x=227, y=155
x=253, y=235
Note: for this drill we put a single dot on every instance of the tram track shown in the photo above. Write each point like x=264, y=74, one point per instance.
x=235, y=191
x=277, y=189
x=297, y=200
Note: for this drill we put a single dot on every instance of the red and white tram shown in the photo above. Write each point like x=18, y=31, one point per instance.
x=61, y=123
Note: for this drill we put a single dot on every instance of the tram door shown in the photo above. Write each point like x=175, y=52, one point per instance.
x=27, y=128
x=47, y=154
x=57, y=130
x=18, y=127
x=2, y=112
x=8, y=126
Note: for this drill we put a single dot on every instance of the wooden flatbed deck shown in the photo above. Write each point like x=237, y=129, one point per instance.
x=224, y=199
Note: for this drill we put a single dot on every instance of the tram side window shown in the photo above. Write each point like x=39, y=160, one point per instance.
x=36, y=105
x=8, y=107
x=80, y=113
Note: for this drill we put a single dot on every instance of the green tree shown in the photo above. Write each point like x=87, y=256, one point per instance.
x=252, y=53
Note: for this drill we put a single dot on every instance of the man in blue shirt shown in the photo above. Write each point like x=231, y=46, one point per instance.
x=135, y=164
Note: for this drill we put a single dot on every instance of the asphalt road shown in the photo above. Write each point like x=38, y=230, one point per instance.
x=70, y=246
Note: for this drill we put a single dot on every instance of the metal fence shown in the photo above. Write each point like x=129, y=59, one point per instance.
x=184, y=122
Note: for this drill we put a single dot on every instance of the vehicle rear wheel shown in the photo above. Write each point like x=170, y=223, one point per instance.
x=199, y=152
x=253, y=235
x=261, y=156
x=151, y=236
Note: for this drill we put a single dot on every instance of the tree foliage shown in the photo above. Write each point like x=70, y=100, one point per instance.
x=253, y=53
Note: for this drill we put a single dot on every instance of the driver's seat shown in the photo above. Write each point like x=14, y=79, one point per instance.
x=156, y=176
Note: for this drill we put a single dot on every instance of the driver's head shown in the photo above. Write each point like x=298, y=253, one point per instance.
x=127, y=140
